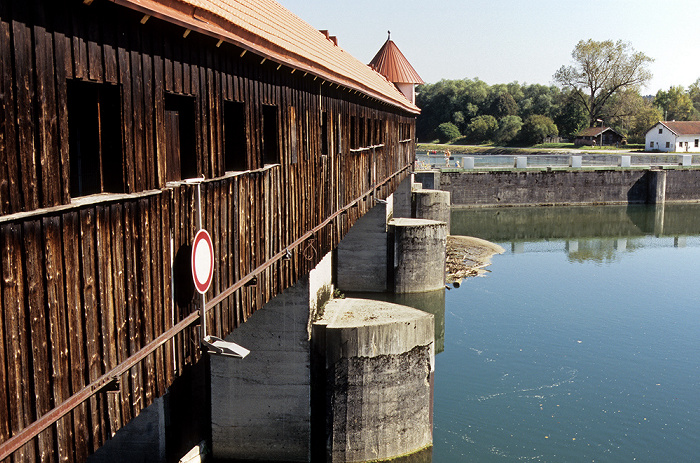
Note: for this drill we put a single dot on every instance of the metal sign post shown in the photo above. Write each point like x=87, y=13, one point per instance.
x=202, y=272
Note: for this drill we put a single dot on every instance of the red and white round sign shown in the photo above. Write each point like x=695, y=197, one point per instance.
x=202, y=261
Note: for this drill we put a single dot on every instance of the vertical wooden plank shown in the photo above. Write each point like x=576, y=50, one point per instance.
x=34, y=264
x=167, y=207
x=24, y=78
x=10, y=196
x=121, y=319
x=127, y=113
x=91, y=316
x=94, y=52
x=5, y=377
x=80, y=54
x=145, y=295
x=58, y=334
x=137, y=89
x=63, y=64
x=109, y=53
x=156, y=210
x=75, y=316
x=132, y=258
x=48, y=128
x=16, y=335
x=159, y=114
x=105, y=285
x=148, y=118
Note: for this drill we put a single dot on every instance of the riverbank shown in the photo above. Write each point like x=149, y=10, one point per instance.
x=468, y=256
x=530, y=150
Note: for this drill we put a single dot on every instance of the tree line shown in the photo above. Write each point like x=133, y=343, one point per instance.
x=600, y=87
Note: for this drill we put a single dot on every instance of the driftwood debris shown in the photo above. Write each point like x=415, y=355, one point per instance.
x=467, y=257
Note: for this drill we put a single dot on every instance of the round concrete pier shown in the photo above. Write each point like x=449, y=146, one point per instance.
x=432, y=205
x=419, y=254
x=377, y=360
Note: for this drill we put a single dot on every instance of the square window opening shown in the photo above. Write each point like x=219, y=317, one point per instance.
x=235, y=146
x=181, y=148
x=95, y=138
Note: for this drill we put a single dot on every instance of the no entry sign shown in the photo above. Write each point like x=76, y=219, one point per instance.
x=202, y=261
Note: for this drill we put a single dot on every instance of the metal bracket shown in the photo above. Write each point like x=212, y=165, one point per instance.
x=217, y=346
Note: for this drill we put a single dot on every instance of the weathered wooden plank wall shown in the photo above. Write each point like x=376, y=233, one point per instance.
x=87, y=284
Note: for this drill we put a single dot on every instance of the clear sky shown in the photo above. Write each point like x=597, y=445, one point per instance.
x=501, y=41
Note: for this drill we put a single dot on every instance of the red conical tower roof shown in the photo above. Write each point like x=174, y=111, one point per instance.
x=390, y=62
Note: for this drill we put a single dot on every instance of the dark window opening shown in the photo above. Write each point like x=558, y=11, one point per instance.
x=235, y=153
x=181, y=148
x=324, y=133
x=270, y=135
x=95, y=141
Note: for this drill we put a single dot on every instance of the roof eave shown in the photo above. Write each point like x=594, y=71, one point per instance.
x=255, y=44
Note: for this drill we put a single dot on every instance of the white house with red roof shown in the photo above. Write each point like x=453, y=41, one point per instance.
x=674, y=136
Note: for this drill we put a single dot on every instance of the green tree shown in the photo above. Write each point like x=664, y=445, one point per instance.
x=503, y=105
x=645, y=119
x=675, y=104
x=694, y=94
x=508, y=129
x=447, y=131
x=538, y=127
x=570, y=116
x=601, y=70
x=482, y=128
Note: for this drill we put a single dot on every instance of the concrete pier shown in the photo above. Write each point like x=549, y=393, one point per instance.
x=432, y=205
x=376, y=361
x=419, y=248
x=657, y=186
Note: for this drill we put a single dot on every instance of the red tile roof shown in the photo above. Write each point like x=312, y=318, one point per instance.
x=392, y=64
x=683, y=127
x=268, y=29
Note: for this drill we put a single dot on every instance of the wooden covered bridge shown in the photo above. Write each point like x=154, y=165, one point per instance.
x=106, y=107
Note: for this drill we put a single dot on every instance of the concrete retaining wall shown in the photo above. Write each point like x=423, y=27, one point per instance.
x=362, y=254
x=260, y=405
x=614, y=186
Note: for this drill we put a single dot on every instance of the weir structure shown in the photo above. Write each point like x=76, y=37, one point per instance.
x=106, y=109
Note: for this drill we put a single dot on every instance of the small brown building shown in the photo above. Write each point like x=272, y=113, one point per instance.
x=599, y=136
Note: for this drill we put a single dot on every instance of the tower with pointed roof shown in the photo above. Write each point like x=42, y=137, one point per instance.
x=392, y=64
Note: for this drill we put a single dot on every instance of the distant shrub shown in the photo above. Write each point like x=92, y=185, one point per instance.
x=482, y=128
x=537, y=127
x=447, y=131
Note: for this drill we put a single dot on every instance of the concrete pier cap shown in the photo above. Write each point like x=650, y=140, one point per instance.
x=379, y=358
x=419, y=251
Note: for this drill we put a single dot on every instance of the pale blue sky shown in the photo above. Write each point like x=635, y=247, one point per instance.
x=501, y=41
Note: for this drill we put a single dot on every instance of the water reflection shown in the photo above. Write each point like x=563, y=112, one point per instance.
x=562, y=222
x=588, y=233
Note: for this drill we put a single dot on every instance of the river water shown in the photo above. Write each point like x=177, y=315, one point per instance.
x=582, y=343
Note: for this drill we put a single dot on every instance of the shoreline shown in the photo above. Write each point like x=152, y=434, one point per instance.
x=468, y=256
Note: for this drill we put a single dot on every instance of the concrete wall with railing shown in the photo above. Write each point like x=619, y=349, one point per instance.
x=520, y=187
